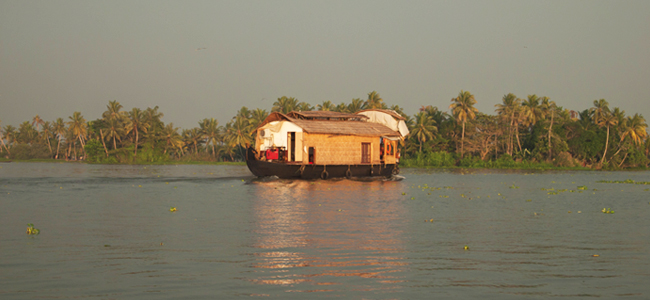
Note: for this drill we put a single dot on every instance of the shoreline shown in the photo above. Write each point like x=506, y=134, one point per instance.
x=523, y=168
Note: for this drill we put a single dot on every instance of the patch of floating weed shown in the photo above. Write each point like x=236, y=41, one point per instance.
x=627, y=181
x=607, y=211
x=172, y=209
x=31, y=230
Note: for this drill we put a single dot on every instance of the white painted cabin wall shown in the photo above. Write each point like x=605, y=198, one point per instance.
x=276, y=134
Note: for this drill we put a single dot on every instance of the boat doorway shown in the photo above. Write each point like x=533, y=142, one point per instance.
x=291, y=137
x=312, y=155
x=365, y=153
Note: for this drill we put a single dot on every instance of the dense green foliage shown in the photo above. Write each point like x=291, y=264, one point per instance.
x=524, y=133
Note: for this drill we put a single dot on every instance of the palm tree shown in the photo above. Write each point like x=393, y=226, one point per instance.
x=46, y=134
x=210, y=132
x=603, y=118
x=635, y=128
x=78, y=128
x=26, y=133
x=136, y=123
x=59, y=130
x=193, y=137
x=549, y=108
x=172, y=139
x=374, y=101
x=304, y=106
x=463, y=109
x=114, y=130
x=342, y=107
x=285, y=105
x=2, y=139
x=38, y=122
x=355, y=106
x=258, y=116
x=113, y=111
x=10, y=134
x=326, y=106
x=509, y=111
x=424, y=128
x=238, y=133
x=244, y=112
x=532, y=112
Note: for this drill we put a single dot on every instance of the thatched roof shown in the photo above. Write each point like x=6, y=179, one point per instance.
x=334, y=127
x=312, y=115
x=359, y=128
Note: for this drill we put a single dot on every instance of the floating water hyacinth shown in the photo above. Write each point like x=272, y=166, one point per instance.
x=172, y=209
x=514, y=187
x=627, y=181
x=582, y=187
x=31, y=230
x=607, y=211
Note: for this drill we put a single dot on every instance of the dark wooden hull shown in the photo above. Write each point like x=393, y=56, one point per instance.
x=285, y=170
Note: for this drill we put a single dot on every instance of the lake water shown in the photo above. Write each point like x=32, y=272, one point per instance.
x=106, y=232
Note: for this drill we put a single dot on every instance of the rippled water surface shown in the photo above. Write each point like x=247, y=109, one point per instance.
x=107, y=233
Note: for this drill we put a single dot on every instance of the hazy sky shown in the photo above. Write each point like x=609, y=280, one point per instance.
x=57, y=57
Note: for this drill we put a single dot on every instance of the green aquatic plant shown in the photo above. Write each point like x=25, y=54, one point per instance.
x=31, y=230
x=607, y=211
x=514, y=187
x=172, y=209
x=582, y=187
x=626, y=181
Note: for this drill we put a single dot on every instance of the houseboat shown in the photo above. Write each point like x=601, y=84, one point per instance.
x=325, y=144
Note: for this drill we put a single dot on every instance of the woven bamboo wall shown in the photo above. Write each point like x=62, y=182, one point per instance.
x=339, y=149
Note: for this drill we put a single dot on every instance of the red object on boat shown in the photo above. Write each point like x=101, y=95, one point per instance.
x=272, y=154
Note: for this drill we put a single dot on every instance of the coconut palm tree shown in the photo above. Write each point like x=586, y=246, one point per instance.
x=374, y=101
x=244, y=112
x=549, y=108
x=46, y=134
x=114, y=131
x=210, y=132
x=113, y=111
x=603, y=117
x=258, y=116
x=285, y=104
x=342, y=107
x=424, y=128
x=10, y=135
x=193, y=137
x=304, y=106
x=59, y=131
x=355, y=106
x=463, y=109
x=78, y=128
x=509, y=110
x=136, y=122
x=2, y=139
x=26, y=133
x=238, y=133
x=37, y=121
x=635, y=128
x=172, y=139
x=326, y=106
x=532, y=111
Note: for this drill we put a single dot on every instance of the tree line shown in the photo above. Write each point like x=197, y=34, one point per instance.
x=533, y=130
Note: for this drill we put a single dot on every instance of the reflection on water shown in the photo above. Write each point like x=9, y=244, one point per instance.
x=331, y=235
x=107, y=233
